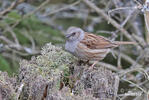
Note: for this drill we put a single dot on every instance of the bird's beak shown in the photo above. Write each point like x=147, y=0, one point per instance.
x=68, y=35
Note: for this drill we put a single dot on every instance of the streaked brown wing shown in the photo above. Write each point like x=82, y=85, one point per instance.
x=97, y=42
x=83, y=52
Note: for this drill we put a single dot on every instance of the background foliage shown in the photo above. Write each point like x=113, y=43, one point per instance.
x=31, y=24
x=27, y=25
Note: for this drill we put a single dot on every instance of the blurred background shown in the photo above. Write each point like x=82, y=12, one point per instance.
x=27, y=25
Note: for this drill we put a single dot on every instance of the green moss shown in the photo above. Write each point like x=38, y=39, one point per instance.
x=4, y=65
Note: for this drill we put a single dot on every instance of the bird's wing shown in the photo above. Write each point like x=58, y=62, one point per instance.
x=97, y=42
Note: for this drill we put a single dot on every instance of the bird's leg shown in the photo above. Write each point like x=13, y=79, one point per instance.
x=92, y=66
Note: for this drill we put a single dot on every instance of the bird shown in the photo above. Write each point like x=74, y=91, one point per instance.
x=88, y=46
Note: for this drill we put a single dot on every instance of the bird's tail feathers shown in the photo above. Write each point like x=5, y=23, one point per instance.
x=123, y=43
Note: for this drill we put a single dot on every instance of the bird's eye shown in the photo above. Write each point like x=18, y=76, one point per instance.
x=73, y=33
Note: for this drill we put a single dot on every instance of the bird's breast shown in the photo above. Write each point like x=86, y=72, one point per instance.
x=71, y=46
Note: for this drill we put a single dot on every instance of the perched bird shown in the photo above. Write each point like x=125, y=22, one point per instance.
x=88, y=46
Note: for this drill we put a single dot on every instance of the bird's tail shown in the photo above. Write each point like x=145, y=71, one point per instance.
x=123, y=43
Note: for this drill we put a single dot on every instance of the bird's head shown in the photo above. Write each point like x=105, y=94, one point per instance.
x=74, y=34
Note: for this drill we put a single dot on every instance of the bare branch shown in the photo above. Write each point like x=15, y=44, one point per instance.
x=106, y=17
x=12, y=6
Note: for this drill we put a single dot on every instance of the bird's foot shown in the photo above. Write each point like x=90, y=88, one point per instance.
x=92, y=66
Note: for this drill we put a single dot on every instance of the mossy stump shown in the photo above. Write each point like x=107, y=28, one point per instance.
x=57, y=75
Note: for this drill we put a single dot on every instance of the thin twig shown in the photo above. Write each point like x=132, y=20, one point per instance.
x=63, y=8
x=8, y=55
x=29, y=14
x=13, y=35
x=121, y=8
x=3, y=38
x=130, y=70
x=109, y=66
x=12, y=6
x=129, y=59
x=30, y=38
x=135, y=85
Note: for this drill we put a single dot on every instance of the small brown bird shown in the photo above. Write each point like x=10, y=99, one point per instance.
x=88, y=46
